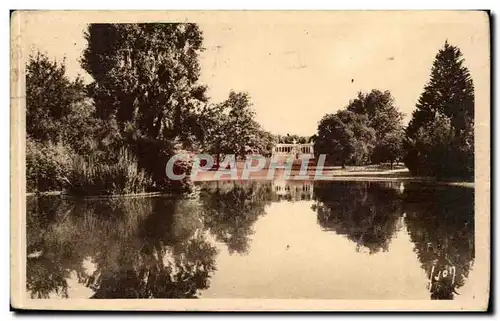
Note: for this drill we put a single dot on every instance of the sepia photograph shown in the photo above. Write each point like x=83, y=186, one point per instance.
x=250, y=160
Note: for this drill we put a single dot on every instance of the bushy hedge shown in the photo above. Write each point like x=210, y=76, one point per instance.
x=89, y=176
x=56, y=167
x=47, y=166
x=436, y=151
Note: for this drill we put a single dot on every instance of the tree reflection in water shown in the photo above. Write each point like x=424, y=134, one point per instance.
x=141, y=248
x=440, y=222
x=231, y=209
x=159, y=247
x=49, y=262
x=365, y=212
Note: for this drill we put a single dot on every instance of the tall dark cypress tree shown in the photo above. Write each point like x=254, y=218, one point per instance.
x=449, y=96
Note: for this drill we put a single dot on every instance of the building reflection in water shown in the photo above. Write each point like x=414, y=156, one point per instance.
x=293, y=190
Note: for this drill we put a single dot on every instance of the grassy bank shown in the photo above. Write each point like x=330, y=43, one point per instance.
x=56, y=169
x=89, y=179
x=337, y=173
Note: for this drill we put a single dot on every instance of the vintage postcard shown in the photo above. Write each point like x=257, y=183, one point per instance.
x=250, y=160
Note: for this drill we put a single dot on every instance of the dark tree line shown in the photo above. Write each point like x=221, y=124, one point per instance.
x=145, y=103
x=290, y=138
x=438, y=141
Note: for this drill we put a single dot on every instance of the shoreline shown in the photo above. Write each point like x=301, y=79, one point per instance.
x=61, y=193
x=353, y=176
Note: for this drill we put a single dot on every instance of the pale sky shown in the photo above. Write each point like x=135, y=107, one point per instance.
x=298, y=66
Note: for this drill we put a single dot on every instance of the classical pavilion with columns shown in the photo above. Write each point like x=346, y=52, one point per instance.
x=295, y=150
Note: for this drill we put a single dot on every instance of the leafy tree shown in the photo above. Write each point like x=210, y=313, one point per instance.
x=146, y=74
x=212, y=122
x=385, y=119
x=368, y=129
x=242, y=131
x=230, y=128
x=266, y=143
x=390, y=148
x=146, y=81
x=379, y=107
x=50, y=96
x=82, y=131
x=345, y=138
x=449, y=94
x=432, y=148
x=59, y=122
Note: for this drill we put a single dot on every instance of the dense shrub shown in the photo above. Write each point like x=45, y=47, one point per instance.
x=87, y=176
x=435, y=151
x=47, y=166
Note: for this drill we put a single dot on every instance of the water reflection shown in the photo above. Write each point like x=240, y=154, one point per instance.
x=140, y=248
x=230, y=209
x=161, y=247
x=292, y=190
x=366, y=213
x=49, y=261
x=441, y=225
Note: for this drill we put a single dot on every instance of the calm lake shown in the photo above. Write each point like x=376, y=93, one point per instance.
x=279, y=239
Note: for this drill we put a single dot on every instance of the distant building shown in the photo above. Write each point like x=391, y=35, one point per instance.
x=294, y=150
